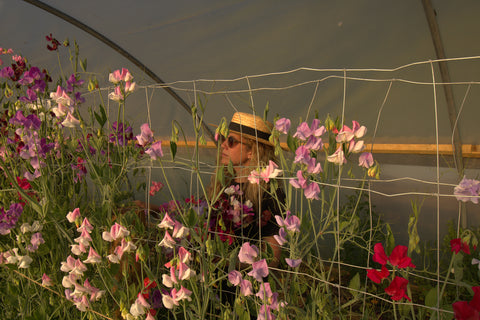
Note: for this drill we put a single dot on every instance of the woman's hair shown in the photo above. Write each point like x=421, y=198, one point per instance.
x=261, y=154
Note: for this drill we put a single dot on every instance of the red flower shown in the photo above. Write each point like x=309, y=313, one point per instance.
x=457, y=246
x=148, y=284
x=377, y=276
x=463, y=311
x=399, y=258
x=397, y=288
x=380, y=255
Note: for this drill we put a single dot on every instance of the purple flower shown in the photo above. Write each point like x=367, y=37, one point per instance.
x=312, y=191
x=265, y=313
x=155, y=150
x=246, y=288
x=283, y=125
x=9, y=219
x=123, y=135
x=314, y=143
x=72, y=82
x=467, y=190
x=259, y=270
x=303, y=131
x=7, y=72
x=294, y=263
x=280, y=238
x=31, y=96
x=247, y=253
x=265, y=292
x=313, y=167
x=35, y=241
x=365, y=160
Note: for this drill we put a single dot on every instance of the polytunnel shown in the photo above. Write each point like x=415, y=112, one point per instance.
x=406, y=70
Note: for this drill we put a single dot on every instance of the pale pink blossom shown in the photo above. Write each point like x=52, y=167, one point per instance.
x=183, y=255
x=85, y=226
x=338, y=157
x=356, y=147
x=300, y=182
x=120, y=75
x=247, y=253
x=259, y=270
x=93, y=257
x=167, y=241
x=179, y=230
x=283, y=125
x=365, y=160
x=70, y=121
x=24, y=261
x=294, y=263
x=246, y=287
x=84, y=238
x=312, y=191
x=234, y=277
x=184, y=272
x=46, y=281
x=78, y=249
x=61, y=97
x=117, y=231
x=183, y=294
x=281, y=237
x=167, y=222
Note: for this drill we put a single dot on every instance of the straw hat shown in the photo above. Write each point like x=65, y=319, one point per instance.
x=251, y=126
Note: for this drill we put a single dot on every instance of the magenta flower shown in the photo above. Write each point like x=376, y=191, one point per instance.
x=467, y=190
x=303, y=131
x=312, y=191
x=365, y=160
x=9, y=219
x=155, y=150
x=259, y=270
x=283, y=125
x=294, y=263
x=247, y=253
x=313, y=167
x=234, y=277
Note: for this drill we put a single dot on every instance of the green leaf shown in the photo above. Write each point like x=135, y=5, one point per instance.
x=355, y=285
x=291, y=143
x=390, y=239
x=431, y=298
x=173, y=149
x=83, y=64
x=192, y=218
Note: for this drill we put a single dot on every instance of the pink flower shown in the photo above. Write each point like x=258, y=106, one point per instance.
x=167, y=241
x=312, y=191
x=155, y=150
x=93, y=257
x=283, y=125
x=183, y=294
x=85, y=226
x=35, y=241
x=270, y=172
x=155, y=187
x=365, y=160
x=247, y=253
x=84, y=238
x=259, y=270
x=116, y=95
x=397, y=289
x=234, y=277
x=167, y=222
x=116, y=232
x=356, y=147
x=183, y=255
x=46, y=281
x=302, y=155
x=120, y=75
x=61, y=97
x=300, y=183
x=314, y=143
x=294, y=263
x=72, y=216
x=246, y=287
x=145, y=136
x=179, y=230
x=70, y=121
x=281, y=237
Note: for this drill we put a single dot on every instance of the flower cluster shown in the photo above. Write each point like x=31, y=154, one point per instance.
x=148, y=300
x=122, y=79
x=397, y=259
x=248, y=254
x=83, y=292
x=119, y=233
x=269, y=172
x=467, y=190
x=288, y=226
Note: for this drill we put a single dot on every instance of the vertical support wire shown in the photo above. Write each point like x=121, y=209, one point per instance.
x=438, y=187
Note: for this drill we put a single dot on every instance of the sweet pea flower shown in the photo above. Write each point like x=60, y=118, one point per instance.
x=476, y=262
x=183, y=294
x=379, y=254
x=140, y=306
x=67, y=266
x=300, y=182
x=116, y=232
x=465, y=310
x=70, y=121
x=302, y=155
x=167, y=222
x=35, y=241
x=155, y=187
x=458, y=245
x=314, y=143
x=312, y=191
x=358, y=131
x=93, y=257
x=167, y=241
x=78, y=249
x=179, y=230
x=283, y=125
x=294, y=263
x=303, y=131
x=85, y=226
x=399, y=258
x=24, y=261
x=265, y=313
x=61, y=97
x=155, y=150
x=265, y=292
x=281, y=237
x=254, y=177
x=246, y=288
x=270, y=172
x=183, y=255
x=365, y=160
x=397, y=289
x=184, y=272
x=116, y=95
x=247, y=253
x=120, y=75
x=377, y=276
x=356, y=147
x=82, y=304
x=467, y=190
x=113, y=258
x=338, y=157
x=234, y=277
x=46, y=281
x=167, y=281
x=168, y=301
x=84, y=238
x=259, y=270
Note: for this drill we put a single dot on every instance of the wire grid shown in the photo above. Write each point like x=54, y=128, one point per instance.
x=228, y=88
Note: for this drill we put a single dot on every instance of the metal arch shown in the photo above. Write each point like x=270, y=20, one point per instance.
x=120, y=50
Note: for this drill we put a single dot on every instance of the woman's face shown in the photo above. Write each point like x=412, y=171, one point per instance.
x=236, y=150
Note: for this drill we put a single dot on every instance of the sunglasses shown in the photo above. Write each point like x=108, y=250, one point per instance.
x=231, y=141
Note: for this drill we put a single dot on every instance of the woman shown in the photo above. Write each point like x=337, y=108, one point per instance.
x=247, y=147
